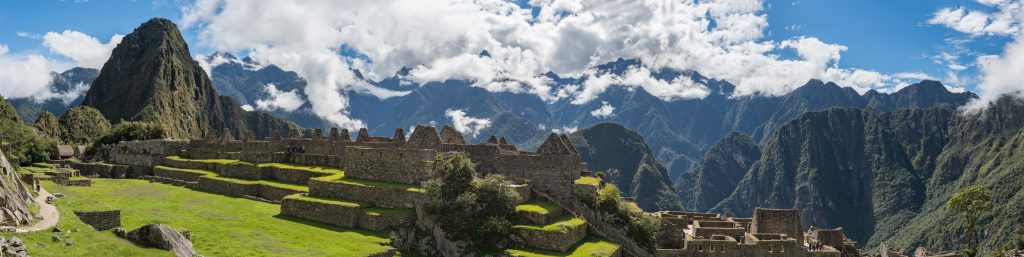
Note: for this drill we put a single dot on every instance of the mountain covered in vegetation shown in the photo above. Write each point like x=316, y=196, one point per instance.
x=885, y=176
x=152, y=77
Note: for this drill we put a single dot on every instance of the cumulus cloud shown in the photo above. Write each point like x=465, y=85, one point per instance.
x=604, y=111
x=565, y=130
x=467, y=125
x=279, y=100
x=569, y=37
x=24, y=76
x=1000, y=74
x=248, y=108
x=1006, y=21
x=85, y=50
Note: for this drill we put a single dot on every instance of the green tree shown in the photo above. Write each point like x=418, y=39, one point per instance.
x=82, y=125
x=478, y=210
x=22, y=144
x=47, y=125
x=971, y=203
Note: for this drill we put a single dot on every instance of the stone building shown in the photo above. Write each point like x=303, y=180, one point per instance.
x=771, y=232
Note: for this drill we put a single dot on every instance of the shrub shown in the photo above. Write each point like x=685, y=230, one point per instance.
x=82, y=125
x=132, y=130
x=641, y=226
x=475, y=210
x=22, y=144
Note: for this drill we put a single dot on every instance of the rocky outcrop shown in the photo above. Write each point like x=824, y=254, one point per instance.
x=12, y=247
x=163, y=237
x=14, y=197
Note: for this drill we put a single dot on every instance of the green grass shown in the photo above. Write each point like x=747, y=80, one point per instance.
x=380, y=184
x=539, y=207
x=593, y=181
x=590, y=246
x=262, y=182
x=307, y=198
x=203, y=172
x=42, y=165
x=215, y=161
x=563, y=224
x=220, y=225
x=390, y=211
x=318, y=169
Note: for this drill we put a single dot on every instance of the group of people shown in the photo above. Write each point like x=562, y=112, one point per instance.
x=296, y=149
x=816, y=247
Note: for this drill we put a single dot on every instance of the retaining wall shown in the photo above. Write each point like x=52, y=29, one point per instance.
x=100, y=220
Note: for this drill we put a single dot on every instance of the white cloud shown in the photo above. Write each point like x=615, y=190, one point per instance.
x=248, y=108
x=466, y=124
x=280, y=100
x=24, y=76
x=1006, y=21
x=220, y=58
x=606, y=110
x=1000, y=74
x=85, y=50
x=565, y=130
x=568, y=37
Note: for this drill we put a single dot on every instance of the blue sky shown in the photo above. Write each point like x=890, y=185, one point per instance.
x=889, y=36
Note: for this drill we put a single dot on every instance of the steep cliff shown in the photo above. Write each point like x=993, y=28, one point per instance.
x=722, y=168
x=885, y=177
x=609, y=146
x=152, y=77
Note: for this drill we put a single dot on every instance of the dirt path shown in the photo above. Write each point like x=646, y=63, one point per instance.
x=48, y=212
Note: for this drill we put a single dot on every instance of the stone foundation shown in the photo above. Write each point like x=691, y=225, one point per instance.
x=378, y=196
x=181, y=175
x=100, y=220
x=342, y=215
x=552, y=240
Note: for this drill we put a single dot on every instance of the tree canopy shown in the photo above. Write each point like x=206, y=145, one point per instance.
x=82, y=125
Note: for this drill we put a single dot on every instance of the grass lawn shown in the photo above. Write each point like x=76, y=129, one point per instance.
x=220, y=225
x=593, y=181
x=539, y=207
x=217, y=161
x=590, y=246
x=563, y=224
x=380, y=184
x=319, y=169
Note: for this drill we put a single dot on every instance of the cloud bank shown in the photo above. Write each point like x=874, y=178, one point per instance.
x=444, y=39
x=1000, y=74
x=467, y=125
x=30, y=75
x=280, y=100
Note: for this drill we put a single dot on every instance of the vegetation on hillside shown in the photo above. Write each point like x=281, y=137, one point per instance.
x=132, y=130
x=641, y=225
x=47, y=125
x=476, y=210
x=22, y=144
x=82, y=125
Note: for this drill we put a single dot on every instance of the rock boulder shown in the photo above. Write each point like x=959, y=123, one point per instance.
x=163, y=237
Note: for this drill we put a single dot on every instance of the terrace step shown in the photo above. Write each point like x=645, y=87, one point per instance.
x=379, y=193
x=289, y=173
x=559, y=235
x=590, y=246
x=538, y=212
x=348, y=214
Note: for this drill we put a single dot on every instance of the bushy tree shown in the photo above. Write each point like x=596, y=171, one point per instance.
x=82, y=125
x=132, y=130
x=971, y=203
x=47, y=125
x=468, y=208
x=641, y=226
x=22, y=144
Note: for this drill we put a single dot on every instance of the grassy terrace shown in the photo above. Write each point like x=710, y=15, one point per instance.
x=389, y=211
x=372, y=183
x=539, y=207
x=201, y=172
x=215, y=161
x=593, y=181
x=563, y=224
x=589, y=247
x=307, y=198
x=317, y=169
x=220, y=225
x=213, y=175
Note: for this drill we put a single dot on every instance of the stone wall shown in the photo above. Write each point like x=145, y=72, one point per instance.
x=552, y=240
x=225, y=187
x=100, y=220
x=393, y=165
x=334, y=214
x=379, y=196
x=381, y=221
x=292, y=175
x=177, y=174
x=780, y=221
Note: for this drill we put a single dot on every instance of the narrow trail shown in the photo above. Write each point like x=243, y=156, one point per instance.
x=48, y=212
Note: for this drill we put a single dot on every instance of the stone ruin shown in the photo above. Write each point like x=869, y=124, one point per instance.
x=771, y=232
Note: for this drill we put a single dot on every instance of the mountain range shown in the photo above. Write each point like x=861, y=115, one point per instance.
x=721, y=152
